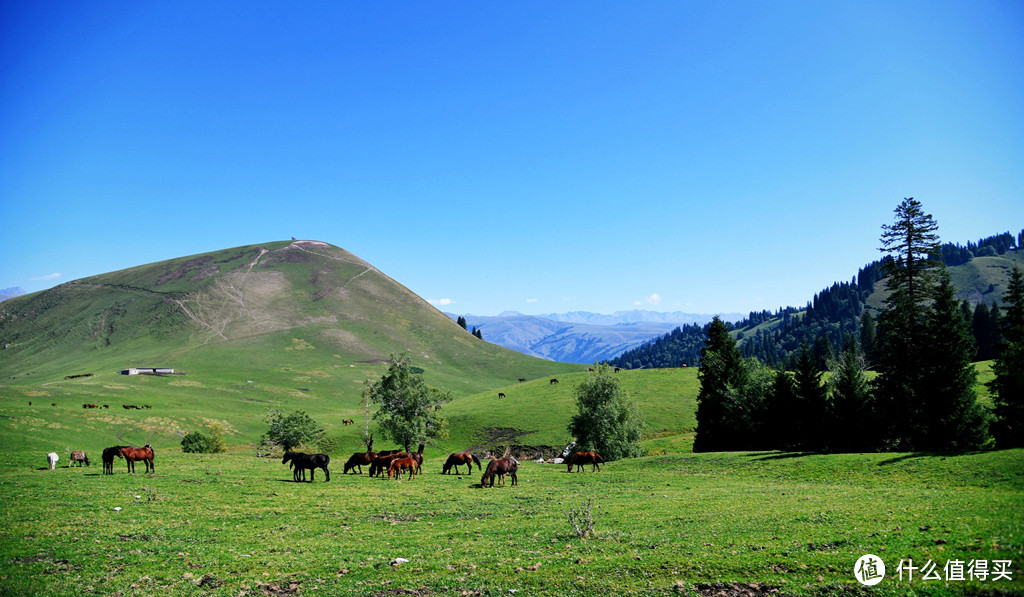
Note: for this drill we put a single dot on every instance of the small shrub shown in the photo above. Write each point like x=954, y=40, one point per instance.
x=195, y=443
x=581, y=519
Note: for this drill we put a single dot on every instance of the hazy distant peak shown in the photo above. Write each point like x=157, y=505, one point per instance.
x=12, y=292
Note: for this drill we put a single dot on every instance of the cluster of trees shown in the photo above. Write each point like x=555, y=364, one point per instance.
x=462, y=322
x=776, y=338
x=923, y=396
x=955, y=254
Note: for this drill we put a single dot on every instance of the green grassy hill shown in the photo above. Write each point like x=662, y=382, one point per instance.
x=282, y=325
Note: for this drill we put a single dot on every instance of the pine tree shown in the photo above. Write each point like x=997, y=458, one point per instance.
x=851, y=419
x=809, y=425
x=718, y=376
x=911, y=242
x=1008, y=386
x=462, y=322
x=867, y=337
x=783, y=409
x=951, y=418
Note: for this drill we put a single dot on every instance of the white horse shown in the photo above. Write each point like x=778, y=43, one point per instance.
x=52, y=458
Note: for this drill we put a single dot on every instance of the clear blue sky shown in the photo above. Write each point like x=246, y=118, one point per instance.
x=531, y=156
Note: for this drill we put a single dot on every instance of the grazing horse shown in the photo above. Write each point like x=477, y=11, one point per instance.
x=359, y=460
x=457, y=458
x=302, y=461
x=500, y=467
x=401, y=464
x=144, y=454
x=347, y=422
x=383, y=460
x=581, y=458
x=108, y=458
x=552, y=382
x=51, y=459
x=79, y=457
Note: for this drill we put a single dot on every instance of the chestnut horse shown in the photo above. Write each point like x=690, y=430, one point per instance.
x=500, y=467
x=359, y=460
x=457, y=458
x=144, y=454
x=401, y=464
x=581, y=458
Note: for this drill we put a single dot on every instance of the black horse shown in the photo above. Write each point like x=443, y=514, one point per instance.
x=109, y=454
x=302, y=461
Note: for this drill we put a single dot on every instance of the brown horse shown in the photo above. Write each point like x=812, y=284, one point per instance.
x=581, y=458
x=500, y=467
x=79, y=457
x=144, y=454
x=359, y=460
x=402, y=464
x=457, y=458
x=381, y=463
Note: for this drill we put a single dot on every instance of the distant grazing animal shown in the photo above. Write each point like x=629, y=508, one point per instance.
x=552, y=382
x=522, y=379
x=53, y=404
x=108, y=458
x=459, y=458
x=131, y=454
x=501, y=394
x=347, y=422
x=399, y=465
x=359, y=460
x=617, y=369
x=499, y=467
x=437, y=407
x=581, y=458
x=302, y=461
x=79, y=457
x=52, y=459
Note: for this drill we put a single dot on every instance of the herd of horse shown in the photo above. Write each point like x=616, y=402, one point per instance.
x=394, y=462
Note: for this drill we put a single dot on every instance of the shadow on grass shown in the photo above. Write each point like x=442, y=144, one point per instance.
x=781, y=455
x=912, y=455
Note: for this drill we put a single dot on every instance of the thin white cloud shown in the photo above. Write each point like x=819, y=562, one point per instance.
x=441, y=302
x=531, y=300
x=653, y=299
x=52, y=276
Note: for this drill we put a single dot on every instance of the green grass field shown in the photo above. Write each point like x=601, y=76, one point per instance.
x=234, y=524
x=670, y=523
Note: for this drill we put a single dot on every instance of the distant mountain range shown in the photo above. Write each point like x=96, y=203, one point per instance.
x=7, y=293
x=580, y=336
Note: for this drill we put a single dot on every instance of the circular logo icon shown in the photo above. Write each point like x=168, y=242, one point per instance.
x=869, y=570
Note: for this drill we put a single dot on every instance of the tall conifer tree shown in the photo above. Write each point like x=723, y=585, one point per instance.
x=718, y=376
x=912, y=243
x=1008, y=386
x=951, y=418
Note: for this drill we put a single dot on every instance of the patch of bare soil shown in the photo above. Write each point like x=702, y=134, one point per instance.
x=734, y=590
x=275, y=590
x=498, y=440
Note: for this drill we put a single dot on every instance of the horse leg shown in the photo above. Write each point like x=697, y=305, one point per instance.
x=327, y=474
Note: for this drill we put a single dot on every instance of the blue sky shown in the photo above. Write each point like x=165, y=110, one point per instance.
x=531, y=156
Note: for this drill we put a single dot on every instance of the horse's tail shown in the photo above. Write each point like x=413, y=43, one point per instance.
x=477, y=461
x=420, y=449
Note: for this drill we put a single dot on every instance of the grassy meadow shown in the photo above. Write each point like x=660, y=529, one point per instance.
x=235, y=524
x=672, y=522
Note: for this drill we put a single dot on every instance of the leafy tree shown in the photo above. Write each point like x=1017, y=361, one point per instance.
x=950, y=415
x=406, y=414
x=606, y=420
x=295, y=429
x=1008, y=386
x=196, y=442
